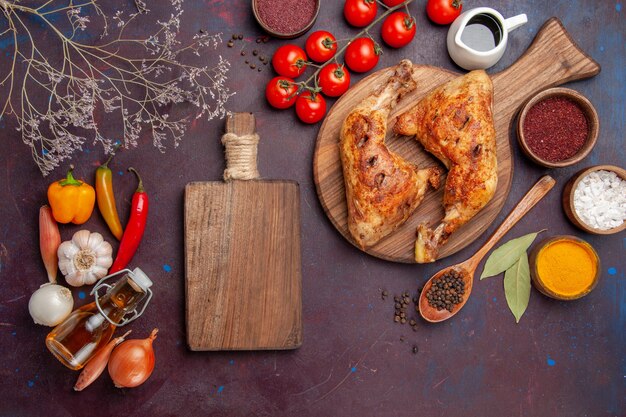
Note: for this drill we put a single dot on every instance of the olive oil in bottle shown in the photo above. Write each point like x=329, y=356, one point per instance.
x=90, y=327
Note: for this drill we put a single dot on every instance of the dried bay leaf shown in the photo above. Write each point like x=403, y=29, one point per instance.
x=508, y=254
x=517, y=286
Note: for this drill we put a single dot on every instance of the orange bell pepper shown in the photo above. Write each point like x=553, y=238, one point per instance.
x=71, y=200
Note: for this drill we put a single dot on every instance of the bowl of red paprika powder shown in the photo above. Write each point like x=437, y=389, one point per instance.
x=286, y=19
x=557, y=127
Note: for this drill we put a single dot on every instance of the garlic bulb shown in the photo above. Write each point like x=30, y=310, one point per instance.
x=85, y=259
x=50, y=304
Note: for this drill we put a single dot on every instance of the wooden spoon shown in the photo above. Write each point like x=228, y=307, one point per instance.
x=467, y=268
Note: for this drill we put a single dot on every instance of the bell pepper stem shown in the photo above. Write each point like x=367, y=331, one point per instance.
x=140, y=186
x=69, y=179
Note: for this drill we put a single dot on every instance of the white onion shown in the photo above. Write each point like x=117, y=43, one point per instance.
x=50, y=304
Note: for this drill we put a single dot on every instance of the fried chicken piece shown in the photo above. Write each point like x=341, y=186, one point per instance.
x=454, y=122
x=382, y=189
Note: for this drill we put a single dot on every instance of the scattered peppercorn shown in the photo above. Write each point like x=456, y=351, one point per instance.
x=255, y=52
x=240, y=36
x=243, y=53
x=446, y=291
x=415, y=349
x=258, y=40
x=230, y=44
x=253, y=66
x=234, y=37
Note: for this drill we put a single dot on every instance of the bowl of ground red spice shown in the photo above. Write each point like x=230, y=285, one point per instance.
x=286, y=19
x=557, y=127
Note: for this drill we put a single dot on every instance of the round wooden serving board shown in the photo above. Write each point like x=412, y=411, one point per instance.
x=552, y=59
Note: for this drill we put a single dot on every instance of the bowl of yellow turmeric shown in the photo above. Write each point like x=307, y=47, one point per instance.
x=564, y=267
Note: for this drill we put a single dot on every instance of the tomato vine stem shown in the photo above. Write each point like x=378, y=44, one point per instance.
x=304, y=85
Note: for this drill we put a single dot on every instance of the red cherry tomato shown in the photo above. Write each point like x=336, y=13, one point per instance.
x=281, y=92
x=443, y=12
x=289, y=61
x=362, y=55
x=392, y=3
x=398, y=29
x=310, y=108
x=334, y=80
x=321, y=46
x=360, y=13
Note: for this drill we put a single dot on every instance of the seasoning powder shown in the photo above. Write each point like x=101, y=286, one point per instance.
x=600, y=200
x=286, y=16
x=555, y=129
x=567, y=267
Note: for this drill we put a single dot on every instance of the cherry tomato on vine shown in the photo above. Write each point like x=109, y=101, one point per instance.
x=443, y=12
x=360, y=13
x=289, y=61
x=362, y=54
x=321, y=46
x=310, y=108
x=398, y=29
x=334, y=80
x=281, y=92
x=392, y=3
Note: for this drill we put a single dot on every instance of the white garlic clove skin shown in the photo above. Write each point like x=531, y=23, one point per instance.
x=85, y=259
x=81, y=239
x=77, y=278
x=95, y=239
x=50, y=304
x=66, y=252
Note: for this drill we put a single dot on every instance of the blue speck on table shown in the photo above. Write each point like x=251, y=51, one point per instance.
x=550, y=361
x=82, y=295
x=220, y=389
x=612, y=271
x=167, y=268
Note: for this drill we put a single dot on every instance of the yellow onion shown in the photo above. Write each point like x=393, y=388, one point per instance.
x=132, y=362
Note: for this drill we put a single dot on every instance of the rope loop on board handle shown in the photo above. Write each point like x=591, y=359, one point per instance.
x=241, y=156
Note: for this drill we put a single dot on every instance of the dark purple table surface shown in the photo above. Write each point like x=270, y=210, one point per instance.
x=562, y=359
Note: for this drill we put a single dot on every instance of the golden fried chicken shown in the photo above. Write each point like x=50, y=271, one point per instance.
x=454, y=122
x=382, y=189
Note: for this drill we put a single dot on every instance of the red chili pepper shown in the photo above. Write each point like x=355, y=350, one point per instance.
x=134, y=228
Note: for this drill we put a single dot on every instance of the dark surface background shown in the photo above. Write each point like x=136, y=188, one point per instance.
x=562, y=359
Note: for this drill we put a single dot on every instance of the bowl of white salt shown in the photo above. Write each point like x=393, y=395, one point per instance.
x=594, y=199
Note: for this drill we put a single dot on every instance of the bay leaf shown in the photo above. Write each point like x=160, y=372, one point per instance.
x=506, y=255
x=517, y=286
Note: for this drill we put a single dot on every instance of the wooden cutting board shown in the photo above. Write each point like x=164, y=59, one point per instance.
x=242, y=260
x=552, y=59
